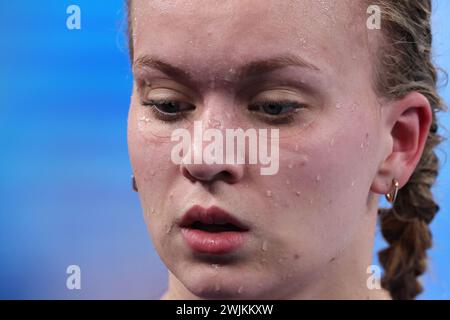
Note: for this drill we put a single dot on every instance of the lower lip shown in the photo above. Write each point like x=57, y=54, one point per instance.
x=213, y=242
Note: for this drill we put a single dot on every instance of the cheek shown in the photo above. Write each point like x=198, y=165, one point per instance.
x=154, y=171
x=333, y=157
x=149, y=156
x=326, y=176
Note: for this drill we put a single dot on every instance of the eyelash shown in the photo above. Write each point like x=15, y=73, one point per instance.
x=289, y=117
x=165, y=116
x=280, y=118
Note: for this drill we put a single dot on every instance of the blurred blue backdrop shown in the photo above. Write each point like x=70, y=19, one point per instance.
x=64, y=171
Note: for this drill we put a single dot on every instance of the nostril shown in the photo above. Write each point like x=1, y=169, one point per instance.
x=187, y=174
x=226, y=176
x=205, y=174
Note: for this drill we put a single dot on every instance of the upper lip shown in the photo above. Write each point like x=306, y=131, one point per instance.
x=211, y=215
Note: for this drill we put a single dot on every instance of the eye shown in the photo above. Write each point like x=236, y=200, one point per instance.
x=167, y=109
x=275, y=108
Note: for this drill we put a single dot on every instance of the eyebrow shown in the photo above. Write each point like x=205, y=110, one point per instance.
x=250, y=69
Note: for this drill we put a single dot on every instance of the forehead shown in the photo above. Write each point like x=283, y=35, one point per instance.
x=207, y=37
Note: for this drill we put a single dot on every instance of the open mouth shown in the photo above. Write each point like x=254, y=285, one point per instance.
x=213, y=219
x=212, y=230
x=212, y=227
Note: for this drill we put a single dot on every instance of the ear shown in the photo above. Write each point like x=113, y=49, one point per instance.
x=405, y=125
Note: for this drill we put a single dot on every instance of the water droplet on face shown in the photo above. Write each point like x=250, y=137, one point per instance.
x=304, y=160
x=353, y=183
x=269, y=193
x=152, y=210
x=311, y=201
x=302, y=41
x=215, y=266
x=297, y=193
x=241, y=288
x=296, y=148
x=264, y=245
x=229, y=76
x=290, y=165
x=318, y=177
x=217, y=287
x=365, y=142
x=144, y=119
x=169, y=229
x=214, y=123
x=288, y=182
x=338, y=105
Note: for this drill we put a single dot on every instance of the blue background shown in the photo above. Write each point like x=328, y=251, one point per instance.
x=64, y=171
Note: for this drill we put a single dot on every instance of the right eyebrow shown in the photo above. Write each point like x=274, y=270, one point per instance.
x=172, y=71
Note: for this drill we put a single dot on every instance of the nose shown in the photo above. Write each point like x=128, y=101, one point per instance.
x=229, y=173
x=219, y=168
x=207, y=168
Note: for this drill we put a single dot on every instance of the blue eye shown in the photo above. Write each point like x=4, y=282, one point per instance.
x=276, y=112
x=273, y=108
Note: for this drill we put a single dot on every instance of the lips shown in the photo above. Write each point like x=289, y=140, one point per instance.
x=212, y=230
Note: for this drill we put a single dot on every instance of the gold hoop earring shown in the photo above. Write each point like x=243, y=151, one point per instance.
x=391, y=196
x=133, y=184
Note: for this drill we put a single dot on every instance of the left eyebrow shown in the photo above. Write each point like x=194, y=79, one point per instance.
x=253, y=68
x=258, y=67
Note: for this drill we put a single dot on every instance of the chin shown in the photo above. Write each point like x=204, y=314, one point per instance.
x=221, y=283
x=221, y=290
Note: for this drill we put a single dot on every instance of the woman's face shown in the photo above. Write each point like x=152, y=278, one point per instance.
x=316, y=208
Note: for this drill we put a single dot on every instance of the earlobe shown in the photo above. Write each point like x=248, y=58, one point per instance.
x=406, y=123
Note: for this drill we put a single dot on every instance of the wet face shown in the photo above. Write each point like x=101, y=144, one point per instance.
x=316, y=91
